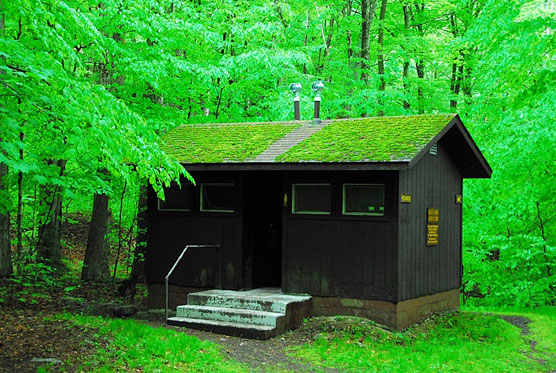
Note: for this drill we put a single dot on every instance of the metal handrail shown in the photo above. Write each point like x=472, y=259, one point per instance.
x=176, y=264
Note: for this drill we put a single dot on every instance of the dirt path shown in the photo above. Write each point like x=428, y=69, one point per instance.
x=523, y=322
x=260, y=355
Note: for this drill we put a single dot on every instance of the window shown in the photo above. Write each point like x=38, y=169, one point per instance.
x=217, y=197
x=311, y=199
x=176, y=198
x=363, y=199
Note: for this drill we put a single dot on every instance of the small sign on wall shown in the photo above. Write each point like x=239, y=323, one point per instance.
x=459, y=199
x=433, y=218
x=406, y=198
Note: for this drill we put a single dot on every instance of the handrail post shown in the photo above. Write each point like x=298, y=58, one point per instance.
x=166, y=307
x=176, y=264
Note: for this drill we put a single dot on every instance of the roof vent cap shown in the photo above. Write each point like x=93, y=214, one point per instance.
x=295, y=88
x=317, y=87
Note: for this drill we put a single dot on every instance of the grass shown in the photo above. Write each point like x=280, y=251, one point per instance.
x=542, y=327
x=465, y=341
x=133, y=346
x=473, y=340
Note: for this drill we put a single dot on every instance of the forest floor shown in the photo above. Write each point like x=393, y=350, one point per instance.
x=42, y=328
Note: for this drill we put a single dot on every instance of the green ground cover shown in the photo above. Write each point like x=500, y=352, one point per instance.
x=134, y=346
x=473, y=340
x=465, y=341
x=542, y=329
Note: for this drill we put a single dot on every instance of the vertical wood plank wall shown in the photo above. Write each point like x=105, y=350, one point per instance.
x=433, y=182
x=169, y=232
x=337, y=255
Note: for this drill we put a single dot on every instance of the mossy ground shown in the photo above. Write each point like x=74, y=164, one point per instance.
x=474, y=340
x=454, y=342
x=135, y=346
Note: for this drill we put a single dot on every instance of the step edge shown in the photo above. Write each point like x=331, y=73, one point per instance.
x=242, y=310
x=222, y=323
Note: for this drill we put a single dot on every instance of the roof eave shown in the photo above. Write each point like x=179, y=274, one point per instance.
x=485, y=170
x=475, y=149
x=299, y=166
x=434, y=140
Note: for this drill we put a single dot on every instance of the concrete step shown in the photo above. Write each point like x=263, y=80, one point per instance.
x=268, y=300
x=227, y=328
x=233, y=315
x=237, y=302
x=258, y=313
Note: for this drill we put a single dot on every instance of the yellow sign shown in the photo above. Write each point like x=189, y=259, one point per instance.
x=459, y=199
x=433, y=218
x=432, y=215
x=406, y=198
x=432, y=235
x=285, y=199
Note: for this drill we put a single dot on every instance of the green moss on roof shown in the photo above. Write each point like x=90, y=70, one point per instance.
x=380, y=139
x=215, y=143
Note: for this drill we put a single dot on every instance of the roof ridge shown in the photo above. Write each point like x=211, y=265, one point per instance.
x=302, y=122
x=288, y=141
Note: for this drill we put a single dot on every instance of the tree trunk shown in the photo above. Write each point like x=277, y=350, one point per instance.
x=466, y=84
x=420, y=67
x=419, y=62
x=306, y=39
x=380, y=57
x=405, y=78
x=19, y=247
x=95, y=264
x=138, y=267
x=119, y=231
x=5, y=244
x=5, y=241
x=455, y=84
x=455, y=80
x=405, y=73
x=329, y=37
x=347, y=13
x=367, y=13
x=49, y=246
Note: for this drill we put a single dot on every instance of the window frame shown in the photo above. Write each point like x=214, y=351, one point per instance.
x=161, y=209
x=380, y=214
x=201, y=195
x=320, y=213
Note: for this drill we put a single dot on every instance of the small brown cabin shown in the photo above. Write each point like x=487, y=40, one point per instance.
x=362, y=214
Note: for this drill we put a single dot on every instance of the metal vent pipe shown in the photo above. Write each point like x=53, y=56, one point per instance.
x=317, y=87
x=295, y=88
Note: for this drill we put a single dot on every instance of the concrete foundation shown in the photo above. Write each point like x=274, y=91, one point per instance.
x=398, y=316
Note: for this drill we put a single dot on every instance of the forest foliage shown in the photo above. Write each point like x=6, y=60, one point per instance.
x=87, y=89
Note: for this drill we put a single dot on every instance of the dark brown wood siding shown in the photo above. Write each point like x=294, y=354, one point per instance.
x=337, y=255
x=168, y=232
x=433, y=182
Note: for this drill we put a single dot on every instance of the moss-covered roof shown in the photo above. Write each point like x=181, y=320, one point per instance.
x=380, y=139
x=217, y=143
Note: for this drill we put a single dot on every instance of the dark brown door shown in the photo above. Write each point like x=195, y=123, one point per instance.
x=265, y=220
